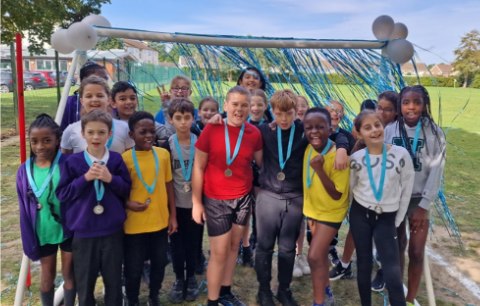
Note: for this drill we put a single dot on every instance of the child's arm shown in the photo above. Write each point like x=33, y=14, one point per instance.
x=407, y=179
x=172, y=221
x=120, y=182
x=201, y=159
x=72, y=185
x=341, y=158
x=317, y=164
x=258, y=158
x=353, y=181
x=65, y=143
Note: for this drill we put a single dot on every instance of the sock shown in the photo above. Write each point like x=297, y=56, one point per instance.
x=225, y=290
x=47, y=297
x=69, y=296
x=315, y=304
x=344, y=265
x=212, y=303
x=328, y=291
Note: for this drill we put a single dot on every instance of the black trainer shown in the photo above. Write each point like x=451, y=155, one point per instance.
x=153, y=301
x=378, y=284
x=200, y=267
x=285, y=297
x=333, y=257
x=340, y=272
x=247, y=259
x=177, y=293
x=192, y=289
x=265, y=298
x=230, y=299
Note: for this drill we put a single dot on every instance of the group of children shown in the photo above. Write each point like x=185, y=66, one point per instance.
x=119, y=191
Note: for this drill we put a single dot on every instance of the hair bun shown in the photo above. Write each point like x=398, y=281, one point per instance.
x=43, y=115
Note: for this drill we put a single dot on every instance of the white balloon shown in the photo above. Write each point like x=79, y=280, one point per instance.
x=382, y=27
x=400, y=51
x=399, y=31
x=59, y=42
x=82, y=36
x=97, y=20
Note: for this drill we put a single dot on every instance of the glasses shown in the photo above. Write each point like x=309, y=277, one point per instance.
x=181, y=88
x=387, y=109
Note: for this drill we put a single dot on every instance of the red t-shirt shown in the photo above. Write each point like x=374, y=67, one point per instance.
x=212, y=141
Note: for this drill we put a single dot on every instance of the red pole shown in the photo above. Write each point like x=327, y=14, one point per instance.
x=21, y=114
x=21, y=100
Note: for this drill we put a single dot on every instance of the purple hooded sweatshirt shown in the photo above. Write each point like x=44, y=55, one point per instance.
x=72, y=111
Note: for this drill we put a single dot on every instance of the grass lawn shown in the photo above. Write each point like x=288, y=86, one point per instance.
x=461, y=178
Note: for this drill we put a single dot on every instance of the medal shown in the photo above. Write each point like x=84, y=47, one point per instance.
x=148, y=201
x=28, y=167
x=228, y=172
x=281, y=175
x=39, y=206
x=378, y=210
x=99, y=188
x=377, y=192
x=324, y=151
x=150, y=188
x=187, y=173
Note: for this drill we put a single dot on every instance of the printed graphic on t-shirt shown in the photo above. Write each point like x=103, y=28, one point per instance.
x=417, y=165
x=354, y=164
x=176, y=164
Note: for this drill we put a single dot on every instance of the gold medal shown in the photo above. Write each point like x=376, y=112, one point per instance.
x=148, y=201
x=281, y=176
x=228, y=172
x=187, y=187
x=39, y=206
x=98, y=209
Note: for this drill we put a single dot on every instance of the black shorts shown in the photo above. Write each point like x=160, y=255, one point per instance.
x=335, y=225
x=50, y=249
x=256, y=175
x=221, y=214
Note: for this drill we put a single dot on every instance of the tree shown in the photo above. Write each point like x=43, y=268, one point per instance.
x=110, y=43
x=164, y=56
x=467, y=56
x=37, y=18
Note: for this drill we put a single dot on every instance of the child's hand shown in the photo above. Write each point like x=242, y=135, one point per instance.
x=172, y=225
x=216, y=119
x=417, y=220
x=317, y=162
x=104, y=175
x=341, y=159
x=135, y=206
x=198, y=214
x=93, y=173
x=273, y=125
x=164, y=95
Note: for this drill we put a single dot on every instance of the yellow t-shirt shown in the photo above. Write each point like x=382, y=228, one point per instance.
x=318, y=204
x=155, y=217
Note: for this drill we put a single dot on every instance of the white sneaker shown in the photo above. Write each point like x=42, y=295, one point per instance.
x=297, y=269
x=303, y=264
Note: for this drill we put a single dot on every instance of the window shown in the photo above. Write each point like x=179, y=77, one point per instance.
x=50, y=65
x=130, y=50
x=26, y=65
x=63, y=65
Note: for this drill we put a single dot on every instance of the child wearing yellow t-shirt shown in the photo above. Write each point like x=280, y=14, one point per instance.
x=151, y=214
x=326, y=198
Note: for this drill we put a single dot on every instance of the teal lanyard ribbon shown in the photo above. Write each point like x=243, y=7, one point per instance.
x=337, y=130
x=151, y=188
x=280, y=147
x=237, y=146
x=186, y=173
x=99, y=188
x=377, y=192
x=109, y=143
x=261, y=121
x=38, y=192
x=310, y=176
x=415, y=140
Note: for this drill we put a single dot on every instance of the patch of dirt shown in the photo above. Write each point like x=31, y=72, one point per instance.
x=6, y=141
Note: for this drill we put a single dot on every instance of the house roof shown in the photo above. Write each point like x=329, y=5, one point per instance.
x=109, y=55
x=409, y=67
x=137, y=44
x=445, y=68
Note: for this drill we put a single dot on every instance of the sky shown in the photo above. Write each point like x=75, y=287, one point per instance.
x=436, y=26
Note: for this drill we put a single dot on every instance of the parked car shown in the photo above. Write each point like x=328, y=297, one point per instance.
x=34, y=80
x=49, y=75
x=63, y=78
x=6, y=82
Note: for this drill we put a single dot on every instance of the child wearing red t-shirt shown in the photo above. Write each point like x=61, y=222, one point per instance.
x=222, y=181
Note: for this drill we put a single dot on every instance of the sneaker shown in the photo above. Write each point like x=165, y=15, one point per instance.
x=155, y=301
x=200, y=267
x=285, y=297
x=340, y=272
x=265, y=298
x=329, y=301
x=410, y=304
x=303, y=263
x=192, y=289
x=297, y=269
x=247, y=260
x=333, y=257
x=230, y=300
x=146, y=273
x=176, y=295
x=378, y=284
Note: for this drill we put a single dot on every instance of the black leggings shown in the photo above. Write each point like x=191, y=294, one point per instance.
x=365, y=224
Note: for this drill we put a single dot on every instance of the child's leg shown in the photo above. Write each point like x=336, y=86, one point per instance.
x=193, y=244
x=318, y=258
x=157, y=248
x=416, y=252
x=86, y=254
x=111, y=267
x=402, y=245
x=236, y=234
x=135, y=252
x=385, y=236
x=348, y=249
x=362, y=230
x=67, y=273
x=178, y=242
x=49, y=271
x=219, y=252
x=245, y=233
x=301, y=238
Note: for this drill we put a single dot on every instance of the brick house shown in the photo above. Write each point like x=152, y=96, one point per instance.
x=443, y=70
x=408, y=69
x=141, y=51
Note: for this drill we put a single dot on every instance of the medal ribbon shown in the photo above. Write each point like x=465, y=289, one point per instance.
x=109, y=143
x=38, y=192
x=377, y=192
x=310, y=176
x=280, y=147
x=187, y=174
x=99, y=188
x=237, y=146
x=151, y=188
x=415, y=140
x=261, y=121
